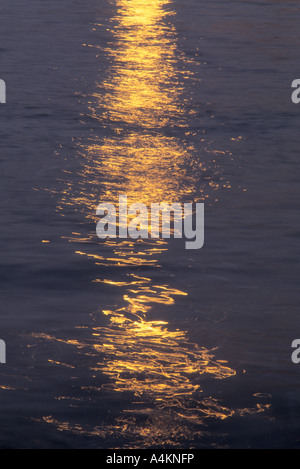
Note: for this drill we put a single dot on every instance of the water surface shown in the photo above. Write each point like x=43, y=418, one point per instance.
x=142, y=343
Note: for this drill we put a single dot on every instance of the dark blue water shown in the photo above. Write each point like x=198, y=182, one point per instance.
x=144, y=344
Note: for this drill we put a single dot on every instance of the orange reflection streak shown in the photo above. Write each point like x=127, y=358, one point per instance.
x=140, y=98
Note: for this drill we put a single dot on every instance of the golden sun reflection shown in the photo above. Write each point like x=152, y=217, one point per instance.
x=140, y=110
x=146, y=357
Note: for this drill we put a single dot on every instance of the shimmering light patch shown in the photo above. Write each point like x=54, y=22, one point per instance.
x=143, y=154
x=139, y=99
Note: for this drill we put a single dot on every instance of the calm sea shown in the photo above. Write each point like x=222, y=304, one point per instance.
x=142, y=343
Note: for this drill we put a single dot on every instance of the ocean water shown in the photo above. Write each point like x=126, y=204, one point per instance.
x=143, y=343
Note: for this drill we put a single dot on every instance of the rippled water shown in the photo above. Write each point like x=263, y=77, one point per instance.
x=141, y=343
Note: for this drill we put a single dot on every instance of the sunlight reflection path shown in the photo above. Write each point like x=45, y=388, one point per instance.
x=140, y=104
